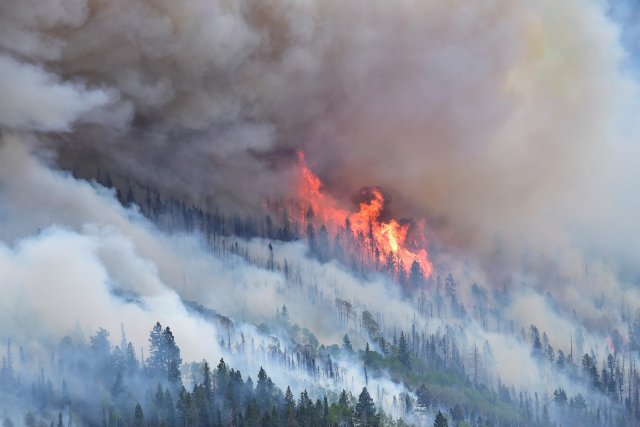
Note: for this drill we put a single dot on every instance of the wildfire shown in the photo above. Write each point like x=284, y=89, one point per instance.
x=383, y=242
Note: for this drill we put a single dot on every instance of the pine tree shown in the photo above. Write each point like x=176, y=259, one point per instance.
x=164, y=355
x=323, y=244
x=100, y=345
x=536, y=343
x=270, y=261
x=346, y=343
x=263, y=390
x=344, y=408
x=155, y=360
x=171, y=350
x=424, y=397
x=440, y=421
x=138, y=416
x=158, y=402
x=311, y=239
x=169, y=408
x=416, y=275
x=284, y=314
x=325, y=411
x=403, y=352
x=207, y=383
x=131, y=361
x=290, y=408
x=173, y=373
x=366, y=409
x=184, y=407
x=117, y=389
x=450, y=288
x=252, y=413
x=559, y=396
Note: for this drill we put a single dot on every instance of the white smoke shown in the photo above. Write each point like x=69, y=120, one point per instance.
x=509, y=126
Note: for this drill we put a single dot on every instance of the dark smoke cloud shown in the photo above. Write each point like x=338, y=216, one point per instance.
x=502, y=123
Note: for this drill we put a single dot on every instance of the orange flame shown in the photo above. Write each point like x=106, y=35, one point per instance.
x=388, y=237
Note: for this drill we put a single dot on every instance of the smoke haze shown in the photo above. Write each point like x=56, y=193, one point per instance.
x=510, y=127
x=504, y=124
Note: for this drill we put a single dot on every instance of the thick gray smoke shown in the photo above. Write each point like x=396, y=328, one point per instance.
x=508, y=125
x=504, y=124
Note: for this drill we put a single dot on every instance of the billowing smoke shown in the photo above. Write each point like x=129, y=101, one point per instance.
x=508, y=126
x=503, y=124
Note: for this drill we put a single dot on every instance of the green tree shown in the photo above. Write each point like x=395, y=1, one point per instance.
x=172, y=360
x=440, y=421
x=164, y=354
x=173, y=373
x=536, y=343
x=131, y=361
x=252, y=413
x=424, y=397
x=590, y=368
x=559, y=396
x=187, y=411
x=403, y=352
x=290, y=407
x=579, y=403
x=366, y=409
x=207, y=383
x=169, y=409
x=263, y=390
x=344, y=408
x=138, y=416
x=155, y=361
x=371, y=325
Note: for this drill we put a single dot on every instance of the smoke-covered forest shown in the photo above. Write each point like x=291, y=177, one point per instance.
x=319, y=213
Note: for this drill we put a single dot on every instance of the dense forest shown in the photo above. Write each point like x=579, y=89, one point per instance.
x=439, y=369
x=443, y=378
x=97, y=384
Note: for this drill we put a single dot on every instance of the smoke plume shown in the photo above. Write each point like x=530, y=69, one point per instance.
x=509, y=126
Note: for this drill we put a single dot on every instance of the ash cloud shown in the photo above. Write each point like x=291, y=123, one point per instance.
x=501, y=123
x=506, y=125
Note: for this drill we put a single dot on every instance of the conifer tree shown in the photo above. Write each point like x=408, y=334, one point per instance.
x=366, y=409
x=346, y=343
x=403, y=352
x=138, y=416
x=440, y=421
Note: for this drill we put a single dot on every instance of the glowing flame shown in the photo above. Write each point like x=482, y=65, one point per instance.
x=386, y=240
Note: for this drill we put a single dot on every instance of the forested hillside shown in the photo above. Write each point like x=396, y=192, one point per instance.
x=319, y=213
